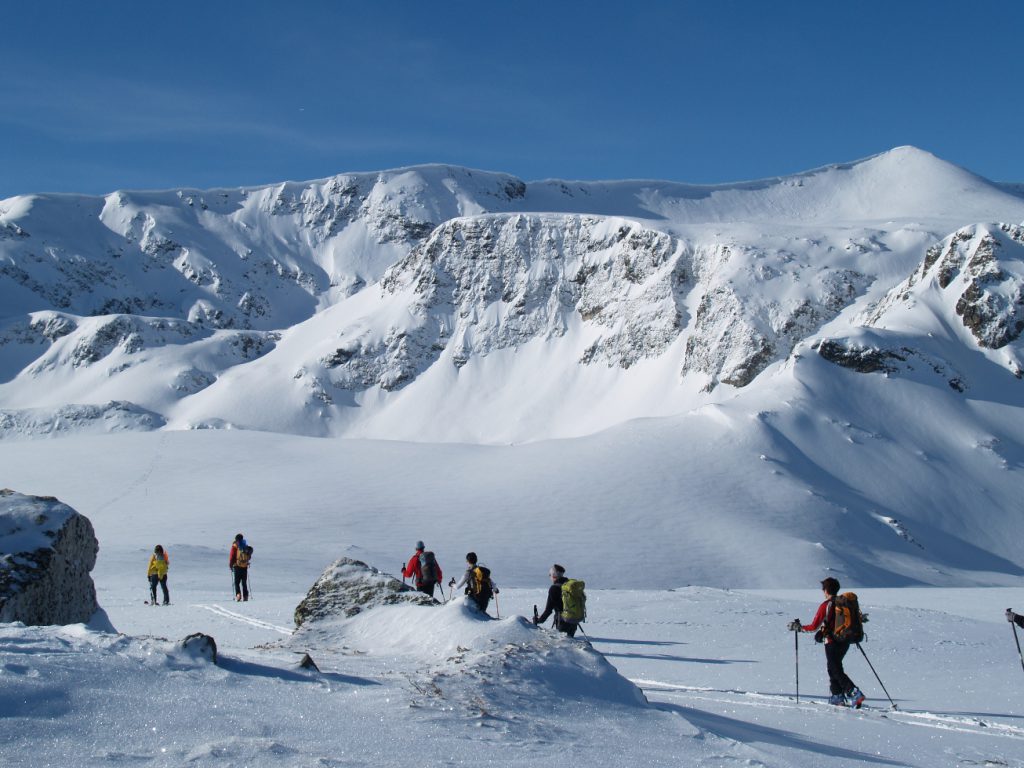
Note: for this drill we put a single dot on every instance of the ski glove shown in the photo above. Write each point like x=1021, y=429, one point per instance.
x=795, y=625
x=1010, y=615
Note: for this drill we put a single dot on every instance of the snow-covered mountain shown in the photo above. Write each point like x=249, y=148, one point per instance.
x=342, y=306
x=778, y=367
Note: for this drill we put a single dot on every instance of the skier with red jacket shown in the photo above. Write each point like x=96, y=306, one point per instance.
x=423, y=567
x=841, y=686
x=238, y=562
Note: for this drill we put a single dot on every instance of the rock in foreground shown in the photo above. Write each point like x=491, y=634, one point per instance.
x=47, y=550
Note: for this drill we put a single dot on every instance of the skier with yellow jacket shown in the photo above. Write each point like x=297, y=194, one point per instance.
x=157, y=573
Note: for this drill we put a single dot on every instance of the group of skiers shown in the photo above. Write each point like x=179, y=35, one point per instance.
x=239, y=558
x=566, y=597
x=426, y=573
x=837, y=624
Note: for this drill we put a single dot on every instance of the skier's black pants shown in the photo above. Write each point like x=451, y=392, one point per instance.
x=241, y=582
x=838, y=682
x=162, y=581
x=569, y=627
x=427, y=587
x=481, y=601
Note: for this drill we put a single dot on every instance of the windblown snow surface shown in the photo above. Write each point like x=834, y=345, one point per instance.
x=701, y=400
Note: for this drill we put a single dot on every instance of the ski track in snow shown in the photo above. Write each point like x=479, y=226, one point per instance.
x=221, y=611
x=755, y=699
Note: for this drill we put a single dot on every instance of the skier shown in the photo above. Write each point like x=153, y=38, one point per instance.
x=157, y=574
x=478, y=583
x=554, y=603
x=841, y=686
x=238, y=562
x=423, y=566
x=1015, y=618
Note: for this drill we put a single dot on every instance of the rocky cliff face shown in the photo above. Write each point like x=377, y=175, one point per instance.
x=973, y=280
x=47, y=550
x=497, y=282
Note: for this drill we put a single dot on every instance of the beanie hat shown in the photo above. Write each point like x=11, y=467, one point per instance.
x=419, y=545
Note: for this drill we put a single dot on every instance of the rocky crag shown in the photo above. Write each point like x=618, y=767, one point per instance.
x=47, y=550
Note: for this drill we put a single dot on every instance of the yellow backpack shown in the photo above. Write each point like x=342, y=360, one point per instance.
x=242, y=557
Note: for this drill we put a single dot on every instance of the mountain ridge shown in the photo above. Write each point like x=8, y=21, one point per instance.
x=399, y=271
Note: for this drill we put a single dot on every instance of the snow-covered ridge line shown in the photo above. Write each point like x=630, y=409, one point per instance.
x=342, y=306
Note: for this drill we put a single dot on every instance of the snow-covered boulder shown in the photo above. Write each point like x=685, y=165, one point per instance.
x=47, y=550
x=348, y=587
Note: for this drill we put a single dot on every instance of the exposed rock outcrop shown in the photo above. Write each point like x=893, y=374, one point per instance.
x=47, y=550
x=488, y=283
x=200, y=646
x=348, y=587
x=979, y=270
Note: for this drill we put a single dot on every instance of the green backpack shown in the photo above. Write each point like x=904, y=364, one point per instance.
x=574, y=600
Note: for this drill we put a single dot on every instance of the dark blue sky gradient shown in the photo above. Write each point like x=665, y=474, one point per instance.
x=101, y=96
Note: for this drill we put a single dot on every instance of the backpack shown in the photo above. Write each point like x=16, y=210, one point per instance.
x=480, y=584
x=428, y=567
x=242, y=557
x=847, y=620
x=574, y=600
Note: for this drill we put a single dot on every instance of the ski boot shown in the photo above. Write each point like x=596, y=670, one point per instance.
x=857, y=697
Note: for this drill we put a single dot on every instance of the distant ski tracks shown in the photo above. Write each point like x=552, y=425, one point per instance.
x=221, y=611
x=977, y=724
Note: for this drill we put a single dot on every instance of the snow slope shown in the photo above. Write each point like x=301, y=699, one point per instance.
x=716, y=668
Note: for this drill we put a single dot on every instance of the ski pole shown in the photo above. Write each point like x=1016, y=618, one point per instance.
x=796, y=649
x=876, y=676
x=497, y=609
x=1016, y=639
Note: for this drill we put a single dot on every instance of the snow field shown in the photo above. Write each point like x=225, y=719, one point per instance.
x=450, y=687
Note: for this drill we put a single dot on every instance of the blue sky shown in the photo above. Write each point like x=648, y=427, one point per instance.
x=101, y=96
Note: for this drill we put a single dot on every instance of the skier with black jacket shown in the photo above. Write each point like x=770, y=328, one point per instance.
x=554, y=603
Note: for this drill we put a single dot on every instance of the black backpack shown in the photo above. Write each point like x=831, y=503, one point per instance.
x=428, y=566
